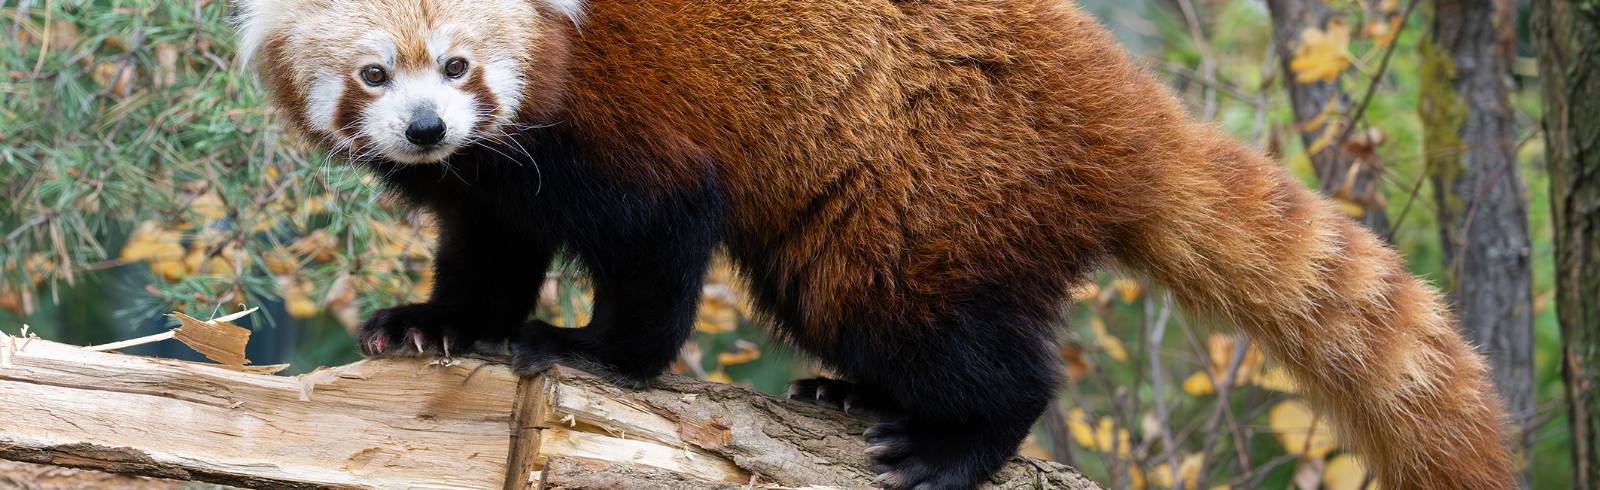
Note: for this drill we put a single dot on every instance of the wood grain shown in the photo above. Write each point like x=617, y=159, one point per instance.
x=422, y=423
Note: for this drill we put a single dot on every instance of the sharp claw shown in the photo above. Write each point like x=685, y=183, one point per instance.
x=446, y=342
x=416, y=339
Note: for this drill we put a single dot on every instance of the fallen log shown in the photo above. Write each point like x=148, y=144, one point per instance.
x=424, y=423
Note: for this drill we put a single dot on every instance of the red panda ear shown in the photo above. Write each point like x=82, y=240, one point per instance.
x=254, y=20
x=573, y=9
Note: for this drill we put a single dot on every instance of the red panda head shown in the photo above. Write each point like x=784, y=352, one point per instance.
x=410, y=81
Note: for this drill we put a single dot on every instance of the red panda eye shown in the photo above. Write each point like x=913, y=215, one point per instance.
x=374, y=75
x=455, y=67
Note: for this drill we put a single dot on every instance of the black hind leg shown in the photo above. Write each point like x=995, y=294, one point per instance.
x=968, y=392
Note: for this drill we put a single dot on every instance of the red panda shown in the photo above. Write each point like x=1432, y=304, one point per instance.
x=911, y=187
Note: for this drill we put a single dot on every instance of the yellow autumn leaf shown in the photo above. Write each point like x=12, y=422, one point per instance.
x=279, y=261
x=1277, y=379
x=1078, y=425
x=1322, y=55
x=201, y=260
x=152, y=242
x=1111, y=345
x=1220, y=347
x=719, y=376
x=403, y=240
x=1383, y=31
x=1103, y=442
x=716, y=315
x=208, y=207
x=1188, y=473
x=1198, y=384
x=745, y=351
x=1299, y=430
x=1127, y=289
x=317, y=245
x=1332, y=131
x=423, y=286
x=160, y=247
x=296, y=294
x=171, y=270
x=1345, y=472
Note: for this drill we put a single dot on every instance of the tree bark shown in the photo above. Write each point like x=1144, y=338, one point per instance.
x=418, y=423
x=1339, y=173
x=1470, y=144
x=1566, y=34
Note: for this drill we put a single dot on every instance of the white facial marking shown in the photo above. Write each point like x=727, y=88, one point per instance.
x=406, y=96
x=322, y=101
x=504, y=78
x=440, y=41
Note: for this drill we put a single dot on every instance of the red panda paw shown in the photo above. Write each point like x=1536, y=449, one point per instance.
x=410, y=330
x=913, y=456
x=841, y=395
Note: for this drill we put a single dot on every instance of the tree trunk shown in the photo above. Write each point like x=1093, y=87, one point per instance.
x=1470, y=144
x=1567, y=36
x=1339, y=173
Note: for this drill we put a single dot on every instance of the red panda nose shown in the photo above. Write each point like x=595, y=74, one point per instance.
x=426, y=129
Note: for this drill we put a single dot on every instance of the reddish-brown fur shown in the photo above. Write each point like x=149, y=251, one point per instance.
x=908, y=151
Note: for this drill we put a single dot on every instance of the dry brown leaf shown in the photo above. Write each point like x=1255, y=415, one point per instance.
x=341, y=302
x=280, y=262
x=219, y=340
x=317, y=245
x=11, y=301
x=1078, y=364
x=167, y=60
x=115, y=76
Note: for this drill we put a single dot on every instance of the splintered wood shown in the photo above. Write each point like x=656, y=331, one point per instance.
x=418, y=423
